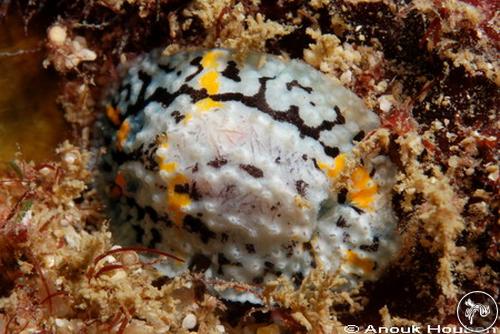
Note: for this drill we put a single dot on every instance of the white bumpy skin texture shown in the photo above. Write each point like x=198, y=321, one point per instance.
x=234, y=167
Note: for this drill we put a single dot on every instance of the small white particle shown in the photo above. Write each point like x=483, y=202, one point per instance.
x=50, y=261
x=346, y=77
x=27, y=217
x=57, y=35
x=119, y=275
x=123, y=58
x=110, y=259
x=385, y=103
x=45, y=171
x=87, y=54
x=76, y=45
x=189, y=321
x=69, y=158
x=61, y=322
x=72, y=238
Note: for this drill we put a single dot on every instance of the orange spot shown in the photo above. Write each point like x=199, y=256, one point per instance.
x=113, y=115
x=360, y=177
x=301, y=202
x=209, y=82
x=210, y=58
x=168, y=167
x=177, y=201
x=337, y=167
x=363, y=189
x=119, y=186
x=207, y=104
x=122, y=134
x=364, y=198
x=189, y=116
x=120, y=180
x=165, y=165
x=366, y=264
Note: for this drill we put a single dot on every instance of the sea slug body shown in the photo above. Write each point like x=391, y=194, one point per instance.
x=236, y=166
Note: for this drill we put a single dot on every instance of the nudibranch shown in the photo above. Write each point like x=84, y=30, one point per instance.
x=245, y=168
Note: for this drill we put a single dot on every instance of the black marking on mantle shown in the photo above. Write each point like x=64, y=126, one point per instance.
x=196, y=225
x=295, y=83
x=252, y=171
x=140, y=103
x=218, y=162
x=373, y=247
x=195, y=62
x=301, y=187
x=257, y=101
x=232, y=71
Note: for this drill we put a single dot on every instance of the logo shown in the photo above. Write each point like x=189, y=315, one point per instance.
x=351, y=329
x=477, y=311
x=472, y=308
